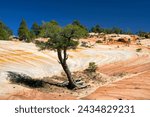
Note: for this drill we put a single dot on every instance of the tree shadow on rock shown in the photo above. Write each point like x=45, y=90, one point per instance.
x=23, y=79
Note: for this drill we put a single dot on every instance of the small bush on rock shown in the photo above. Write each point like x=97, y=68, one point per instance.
x=92, y=67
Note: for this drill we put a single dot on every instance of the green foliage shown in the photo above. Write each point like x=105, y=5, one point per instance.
x=92, y=67
x=141, y=34
x=73, y=32
x=48, y=29
x=128, y=31
x=60, y=38
x=84, y=44
x=144, y=34
x=83, y=29
x=35, y=30
x=77, y=23
x=5, y=32
x=139, y=50
x=99, y=41
x=107, y=31
x=96, y=29
x=32, y=36
x=147, y=36
x=122, y=74
x=116, y=30
x=23, y=32
x=54, y=22
x=3, y=35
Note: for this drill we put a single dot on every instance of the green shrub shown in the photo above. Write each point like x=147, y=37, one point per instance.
x=99, y=41
x=147, y=36
x=139, y=50
x=122, y=74
x=92, y=67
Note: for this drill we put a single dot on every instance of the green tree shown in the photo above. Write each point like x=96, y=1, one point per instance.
x=141, y=33
x=61, y=40
x=96, y=29
x=23, y=31
x=116, y=30
x=129, y=32
x=84, y=28
x=54, y=22
x=46, y=28
x=107, y=31
x=77, y=22
x=144, y=34
x=32, y=36
x=35, y=29
x=5, y=32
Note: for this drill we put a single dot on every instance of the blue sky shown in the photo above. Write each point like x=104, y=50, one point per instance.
x=126, y=14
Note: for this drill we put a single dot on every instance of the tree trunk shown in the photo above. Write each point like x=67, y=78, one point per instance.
x=65, y=67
